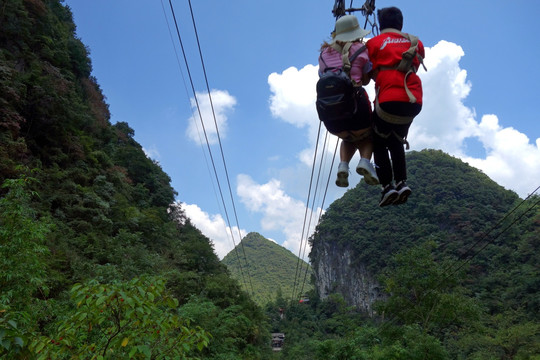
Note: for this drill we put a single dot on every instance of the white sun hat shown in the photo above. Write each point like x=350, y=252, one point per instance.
x=348, y=29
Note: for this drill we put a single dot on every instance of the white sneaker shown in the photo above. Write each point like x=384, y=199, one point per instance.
x=366, y=169
x=342, y=174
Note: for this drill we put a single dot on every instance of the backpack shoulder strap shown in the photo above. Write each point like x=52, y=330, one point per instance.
x=344, y=51
x=347, y=60
x=406, y=64
x=357, y=52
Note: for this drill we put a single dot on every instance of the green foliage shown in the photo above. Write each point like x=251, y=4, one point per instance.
x=22, y=269
x=13, y=339
x=271, y=268
x=423, y=292
x=103, y=215
x=122, y=320
x=22, y=265
x=441, y=300
x=236, y=333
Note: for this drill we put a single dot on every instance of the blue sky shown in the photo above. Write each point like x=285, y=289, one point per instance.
x=481, y=92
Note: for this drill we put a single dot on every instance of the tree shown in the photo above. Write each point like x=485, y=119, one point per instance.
x=22, y=264
x=425, y=293
x=136, y=319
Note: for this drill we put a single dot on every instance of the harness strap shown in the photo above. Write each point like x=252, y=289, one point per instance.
x=391, y=118
x=344, y=51
x=386, y=136
x=406, y=64
x=347, y=60
x=353, y=138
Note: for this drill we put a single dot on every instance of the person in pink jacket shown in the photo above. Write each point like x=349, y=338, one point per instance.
x=356, y=132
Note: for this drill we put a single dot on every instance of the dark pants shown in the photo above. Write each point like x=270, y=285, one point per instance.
x=387, y=142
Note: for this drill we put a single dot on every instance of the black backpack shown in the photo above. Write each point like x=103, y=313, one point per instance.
x=336, y=99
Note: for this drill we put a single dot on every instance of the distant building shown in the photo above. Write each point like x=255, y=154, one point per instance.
x=277, y=341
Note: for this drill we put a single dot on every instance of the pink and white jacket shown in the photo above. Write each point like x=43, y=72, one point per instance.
x=361, y=65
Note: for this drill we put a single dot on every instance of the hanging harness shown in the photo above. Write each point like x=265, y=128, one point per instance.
x=405, y=66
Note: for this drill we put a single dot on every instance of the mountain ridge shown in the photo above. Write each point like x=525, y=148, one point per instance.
x=270, y=266
x=452, y=204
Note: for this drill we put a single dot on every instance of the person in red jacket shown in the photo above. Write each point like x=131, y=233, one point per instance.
x=396, y=57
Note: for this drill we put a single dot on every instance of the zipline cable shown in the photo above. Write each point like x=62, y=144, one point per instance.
x=305, y=213
x=306, y=241
x=498, y=235
x=201, y=141
x=220, y=144
x=462, y=256
x=206, y=138
x=322, y=205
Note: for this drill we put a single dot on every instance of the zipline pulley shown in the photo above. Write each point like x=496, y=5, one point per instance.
x=367, y=10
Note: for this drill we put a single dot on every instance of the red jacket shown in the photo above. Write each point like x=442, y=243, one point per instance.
x=385, y=50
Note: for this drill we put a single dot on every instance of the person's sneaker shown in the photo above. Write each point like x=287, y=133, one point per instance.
x=403, y=193
x=389, y=195
x=342, y=174
x=366, y=169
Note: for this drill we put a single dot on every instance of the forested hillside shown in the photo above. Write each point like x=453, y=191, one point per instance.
x=456, y=207
x=94, y=260
x=267, y=267
x=457, y=267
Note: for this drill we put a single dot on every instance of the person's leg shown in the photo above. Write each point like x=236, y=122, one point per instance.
x=365, y=146
x=380, y=150
x=346, y=152
x=382, y=131
x=363, y=141
x=397, y=151
x=364, y=167
x=395, y=145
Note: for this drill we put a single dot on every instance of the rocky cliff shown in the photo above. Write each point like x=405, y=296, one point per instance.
x=336, y=271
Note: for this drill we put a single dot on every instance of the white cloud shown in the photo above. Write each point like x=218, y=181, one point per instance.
x=280, y=211
x=293, y=101
x=293, y=95
x=152, y=152
x=222, y=103
x=511, y=160
x=215, y=228
x=445, y=123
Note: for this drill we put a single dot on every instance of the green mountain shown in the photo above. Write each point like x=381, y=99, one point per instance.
x=95, y=256
x=270, y=268
x=451, y=274
x=458, y=208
